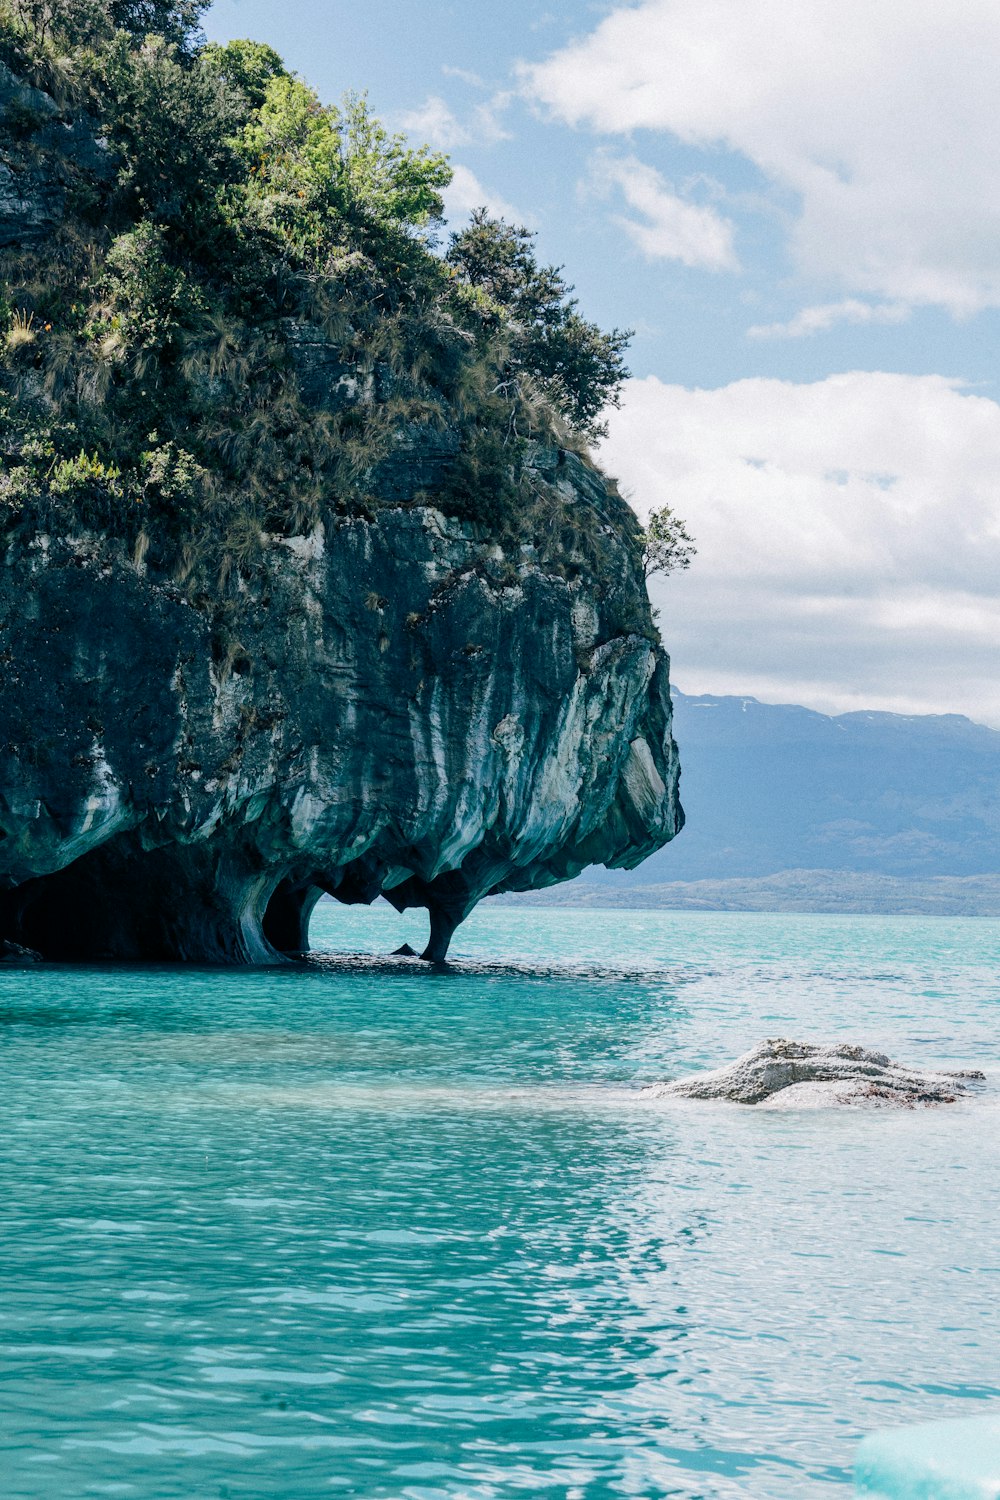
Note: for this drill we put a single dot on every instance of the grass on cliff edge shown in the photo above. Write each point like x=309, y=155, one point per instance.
x=218, y=233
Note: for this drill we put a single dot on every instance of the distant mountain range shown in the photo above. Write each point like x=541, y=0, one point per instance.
x=833, y=806
x=844, y=891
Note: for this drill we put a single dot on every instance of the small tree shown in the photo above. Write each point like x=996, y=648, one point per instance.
x=175, y=20
x=326, y=173
x=389, y=181
x=247, y=68
x=580, y=368
x=169, y=121
x=84, y=22
x=667, y=545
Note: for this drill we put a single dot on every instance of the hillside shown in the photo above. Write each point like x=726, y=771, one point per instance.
x=775, y=788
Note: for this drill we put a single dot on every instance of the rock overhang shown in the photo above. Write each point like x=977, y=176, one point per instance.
x=412, y=711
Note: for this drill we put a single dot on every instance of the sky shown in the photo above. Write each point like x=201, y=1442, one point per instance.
x=797, y=209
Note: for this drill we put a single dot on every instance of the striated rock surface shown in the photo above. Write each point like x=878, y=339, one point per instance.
x=401, y=709
x=209, y=717
x=780, y=1074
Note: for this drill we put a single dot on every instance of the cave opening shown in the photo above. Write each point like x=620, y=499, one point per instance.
x=287, y=916
x=125, y=902
x=372, y=929
x=58, y=917
x=376, y=929
x=199, y=904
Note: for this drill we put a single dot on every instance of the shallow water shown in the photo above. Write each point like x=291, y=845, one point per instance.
x=367, y=1229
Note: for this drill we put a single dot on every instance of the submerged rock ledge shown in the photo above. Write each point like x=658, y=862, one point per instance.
x=406, y=711
x=781, y=1074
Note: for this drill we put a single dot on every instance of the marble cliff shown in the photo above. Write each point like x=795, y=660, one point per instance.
x=403, y=703
x=407, y=716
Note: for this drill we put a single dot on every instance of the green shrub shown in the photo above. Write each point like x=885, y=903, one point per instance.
x=169, y=121
x=254, y=279
x=175, y=20
x=385, y=181
x=77, y=478
x=17, y=486
x=87, y=23
x=246, y=68
x=484, y=481
x=153, y=299
x=580, y=368
x=173, y=486
x=323, y=172
x=91, y=491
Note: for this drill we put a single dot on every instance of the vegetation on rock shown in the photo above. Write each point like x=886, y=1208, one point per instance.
x=226, y=314
x=667, y=545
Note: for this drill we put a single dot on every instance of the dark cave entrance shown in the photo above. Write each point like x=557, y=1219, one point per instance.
x=287, y=915
x=126, y=902
x=58, y=917
x=196, y=903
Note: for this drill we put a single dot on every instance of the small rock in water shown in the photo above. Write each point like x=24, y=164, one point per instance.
x=781, y=1074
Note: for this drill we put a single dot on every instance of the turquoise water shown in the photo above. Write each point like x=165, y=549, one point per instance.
x=372, y=1230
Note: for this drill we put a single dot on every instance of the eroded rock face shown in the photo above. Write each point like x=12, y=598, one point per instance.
x=400, y=709
x=388, y=705
x=780, y=1074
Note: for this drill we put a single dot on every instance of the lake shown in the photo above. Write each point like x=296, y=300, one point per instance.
x=363, y=1228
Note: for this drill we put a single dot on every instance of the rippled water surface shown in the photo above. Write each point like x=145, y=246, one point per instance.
x=365, y=1229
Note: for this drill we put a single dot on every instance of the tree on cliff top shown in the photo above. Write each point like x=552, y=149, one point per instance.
x=174, y=20
x=579, y=367
x=89, y=22
x=237, y=236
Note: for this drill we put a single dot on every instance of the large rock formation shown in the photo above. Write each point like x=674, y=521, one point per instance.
x=401, y=709
x=395, y=701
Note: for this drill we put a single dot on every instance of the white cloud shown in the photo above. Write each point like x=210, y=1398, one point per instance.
x=466, y=192
x=848, y=535
x=464, y=75
x=670, y=227
x=878, y=116
x=436, y=123
x=826, y=315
